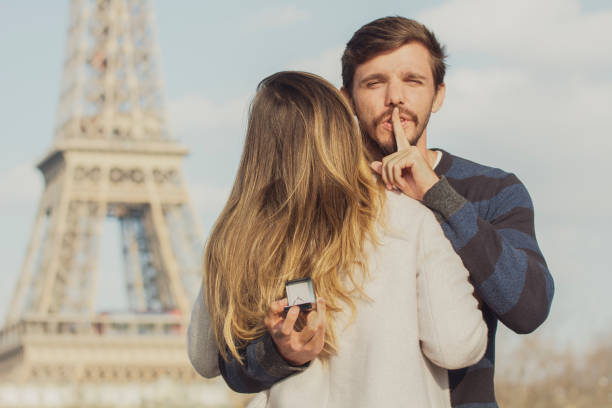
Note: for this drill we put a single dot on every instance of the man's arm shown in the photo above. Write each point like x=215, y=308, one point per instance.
x=501, y=253
x=263, y=366
x=279, y=353
x=505, y=263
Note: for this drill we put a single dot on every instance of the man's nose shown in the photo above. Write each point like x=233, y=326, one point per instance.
x=394, y=94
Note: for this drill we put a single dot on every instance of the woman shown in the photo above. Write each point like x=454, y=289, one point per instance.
x=306, y=204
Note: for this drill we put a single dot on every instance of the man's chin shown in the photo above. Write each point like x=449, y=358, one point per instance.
x=390, y=146
x=387, y=150
x=380, y=150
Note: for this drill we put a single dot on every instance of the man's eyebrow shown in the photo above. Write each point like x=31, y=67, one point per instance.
x=414, y=75
x=375, y=76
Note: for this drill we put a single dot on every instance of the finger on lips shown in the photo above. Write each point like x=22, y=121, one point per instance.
x=398, y=131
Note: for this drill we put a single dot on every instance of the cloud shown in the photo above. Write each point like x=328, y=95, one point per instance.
x=277, y=17
x=196, y=113
x=326, y=64
x=549, y=33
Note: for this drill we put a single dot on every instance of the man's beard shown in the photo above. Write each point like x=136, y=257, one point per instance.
x=378, y=149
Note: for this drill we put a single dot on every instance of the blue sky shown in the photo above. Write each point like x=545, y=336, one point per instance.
x=529, y=90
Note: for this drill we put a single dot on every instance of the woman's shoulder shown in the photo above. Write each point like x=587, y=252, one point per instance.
x=404, y=216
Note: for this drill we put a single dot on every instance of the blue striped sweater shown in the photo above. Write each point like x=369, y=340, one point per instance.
x=488, y=217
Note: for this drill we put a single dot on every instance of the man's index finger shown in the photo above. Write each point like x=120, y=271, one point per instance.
x=398, y=130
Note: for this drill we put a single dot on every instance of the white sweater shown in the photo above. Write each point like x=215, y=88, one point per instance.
x=422, y=312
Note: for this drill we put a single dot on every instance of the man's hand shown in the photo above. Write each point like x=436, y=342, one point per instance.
x=405, y=169
x=297, y=347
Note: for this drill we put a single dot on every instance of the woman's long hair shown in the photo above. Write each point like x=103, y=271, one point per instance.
x=303, y=204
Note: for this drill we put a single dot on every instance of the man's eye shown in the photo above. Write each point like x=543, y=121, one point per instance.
x=372, y=84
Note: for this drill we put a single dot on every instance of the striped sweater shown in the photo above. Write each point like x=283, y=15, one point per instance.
x=487, y=215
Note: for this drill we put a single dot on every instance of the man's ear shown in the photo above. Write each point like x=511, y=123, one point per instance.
x=345, y=93
x=438, y=98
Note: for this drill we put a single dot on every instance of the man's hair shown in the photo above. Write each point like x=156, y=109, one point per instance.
x=387, y=34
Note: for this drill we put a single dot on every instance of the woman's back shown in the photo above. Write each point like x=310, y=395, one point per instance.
x=420, y=302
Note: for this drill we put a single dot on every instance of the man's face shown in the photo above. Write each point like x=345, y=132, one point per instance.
x=403, y=78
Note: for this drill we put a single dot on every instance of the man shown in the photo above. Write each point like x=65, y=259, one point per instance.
x=393, y=74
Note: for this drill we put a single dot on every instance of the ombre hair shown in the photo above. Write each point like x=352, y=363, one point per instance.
x=304, y=204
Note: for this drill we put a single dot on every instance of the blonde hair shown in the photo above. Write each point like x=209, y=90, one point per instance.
x=303, y=204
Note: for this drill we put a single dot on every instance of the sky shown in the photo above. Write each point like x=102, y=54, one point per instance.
x=529, y=90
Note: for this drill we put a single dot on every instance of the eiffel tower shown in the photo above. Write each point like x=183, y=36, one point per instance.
x=112, y=156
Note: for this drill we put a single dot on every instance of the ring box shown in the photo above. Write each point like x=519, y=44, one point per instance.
x=300, y=292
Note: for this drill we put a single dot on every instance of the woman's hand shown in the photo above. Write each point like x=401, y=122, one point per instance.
x=297, y=347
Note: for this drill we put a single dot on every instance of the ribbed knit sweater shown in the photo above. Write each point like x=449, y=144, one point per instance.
x=488, y=217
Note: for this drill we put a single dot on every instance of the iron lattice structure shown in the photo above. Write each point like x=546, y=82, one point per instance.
x=112, y=156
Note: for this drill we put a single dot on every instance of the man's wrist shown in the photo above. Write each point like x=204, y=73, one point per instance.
x=443, y=199
x=272, y=361
x=428, y=185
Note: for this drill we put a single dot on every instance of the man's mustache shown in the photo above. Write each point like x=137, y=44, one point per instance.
x=386, y=116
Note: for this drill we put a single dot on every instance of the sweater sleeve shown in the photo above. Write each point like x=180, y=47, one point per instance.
x=262, y=366
x=452, y=330
x=500, y=252
x=201, y=343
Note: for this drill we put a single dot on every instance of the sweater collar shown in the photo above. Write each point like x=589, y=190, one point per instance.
x=445, y=163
